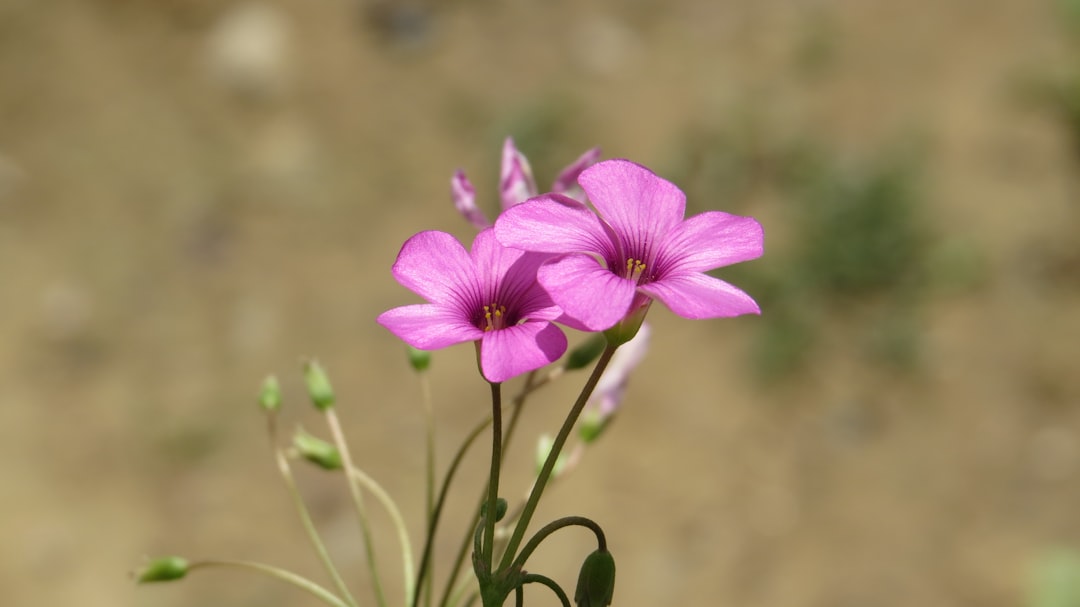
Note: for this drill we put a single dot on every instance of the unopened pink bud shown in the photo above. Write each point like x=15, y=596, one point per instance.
x=566, y=183
x=464, y=196
x=516, y=183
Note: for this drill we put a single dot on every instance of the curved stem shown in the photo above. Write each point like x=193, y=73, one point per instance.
x=399, y=524
x=493, y=479
x=556, y=448
x=550, y=583
x=286, y=576
x=309, y=527
x=429, y=542
x=552, y=527
x=358, y=500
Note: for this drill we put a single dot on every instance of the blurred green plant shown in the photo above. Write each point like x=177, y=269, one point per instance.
x=857, y=245
x=1056, y=579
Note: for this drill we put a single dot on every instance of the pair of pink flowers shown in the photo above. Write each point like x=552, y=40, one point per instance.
x=553, y=258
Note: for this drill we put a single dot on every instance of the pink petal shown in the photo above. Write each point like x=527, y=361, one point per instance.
x=509, y=352
x=639, y=205
x=428, y=326
x=463, y=194
x=566, y=182
x=516, y=183
x=697, y=295
x=586, y=291
x=710, y=240
x=553, y=223
x=508, y=276
x=436, y=267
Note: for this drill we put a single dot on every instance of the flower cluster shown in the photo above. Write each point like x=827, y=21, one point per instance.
x=594, y=261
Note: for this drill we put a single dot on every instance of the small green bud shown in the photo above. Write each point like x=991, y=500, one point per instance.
x=316, y=450
x=596, y=582
x=583, y=355
x=543, y=450
x=419, y=359
x=500, y=509
x=318, y=385
x=593, y=424
x=161, y=569
x=270, y=395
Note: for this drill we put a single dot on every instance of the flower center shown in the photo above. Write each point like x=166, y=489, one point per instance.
x=635, y=269
x=494, y=317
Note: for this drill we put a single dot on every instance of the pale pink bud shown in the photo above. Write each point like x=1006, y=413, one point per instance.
x=464, y=195
x=566, y=183
x=516, y=183
x=609, y=391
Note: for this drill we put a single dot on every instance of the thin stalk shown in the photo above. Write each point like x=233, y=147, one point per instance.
x=429, y=542
x=429, y=488
x=493, y=480
x=552, y=527
x=309, y=527
x=550, y=583
x=286, y=576
x=358, y=500
x=549, y=463
x=450, y=597
x=399, y=523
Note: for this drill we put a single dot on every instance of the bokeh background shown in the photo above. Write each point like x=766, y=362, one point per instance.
x=195, y=193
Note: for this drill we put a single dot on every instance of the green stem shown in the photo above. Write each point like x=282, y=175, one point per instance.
x=399, y=524
x=309, y=527
x=451, y=593
x=549, y=463
x=552, y=527
x=493, y=479
x=286, y=576
x=550, y=583
x=429, y=489
x=358, y=500
x=424, y=572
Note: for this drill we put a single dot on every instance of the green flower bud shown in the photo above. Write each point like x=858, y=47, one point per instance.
x=583, y=355
x=161, y=569
x=419, y=359
x=270, y=395
x=318, y=385
x=592, y=425
x=596, y=582
x=316, y=450
x=543, y=450
x=500, y=509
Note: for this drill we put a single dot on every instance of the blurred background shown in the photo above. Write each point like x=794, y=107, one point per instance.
x=195, y=193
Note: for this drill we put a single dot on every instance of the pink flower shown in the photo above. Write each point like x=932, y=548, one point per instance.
x=488, y=295
x=636, y=248
x=516, y=183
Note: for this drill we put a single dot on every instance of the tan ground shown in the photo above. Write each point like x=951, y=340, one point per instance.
x=178, y=219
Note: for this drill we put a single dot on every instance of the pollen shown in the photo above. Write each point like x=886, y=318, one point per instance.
x=635, y=269
x=494, y=317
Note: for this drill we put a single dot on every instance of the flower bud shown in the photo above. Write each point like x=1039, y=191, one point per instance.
x=543, y=450
x=566, y=183
x=270, y=395
x=419, y=359
x=500, y=509
x=161, y=569
x=318, y=385
x=587, y=352
x=596, y=582
x=316, y=450
x=463, y=194
x=516, y=183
